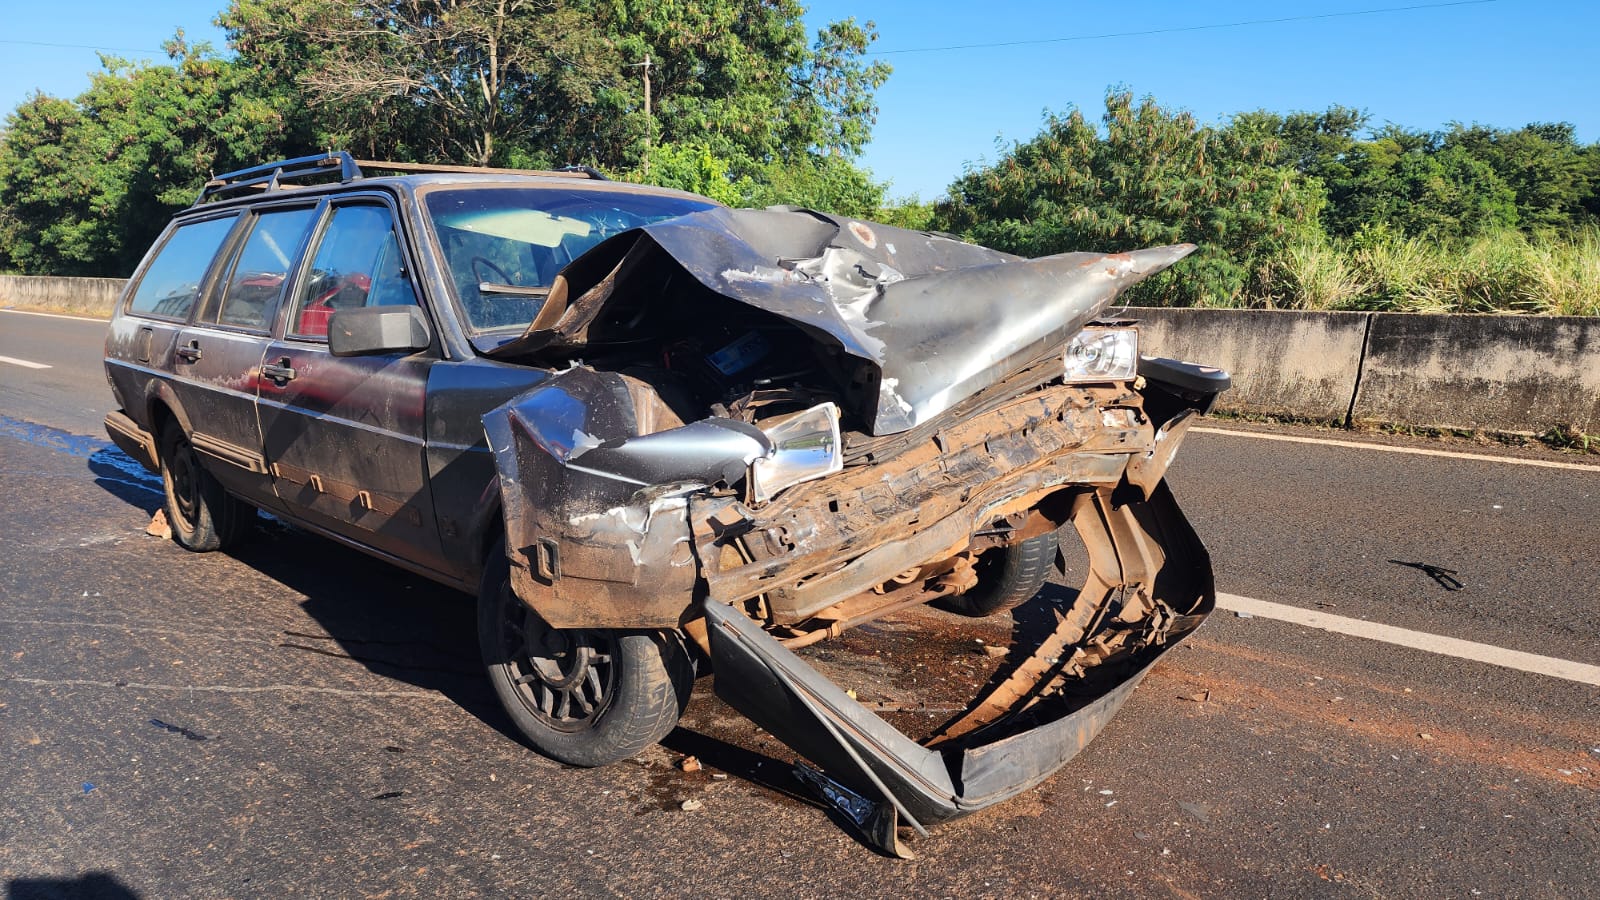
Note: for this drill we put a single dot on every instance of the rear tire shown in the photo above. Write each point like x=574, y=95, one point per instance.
x=586, y=697
x=1008, y=576
x=204, y=517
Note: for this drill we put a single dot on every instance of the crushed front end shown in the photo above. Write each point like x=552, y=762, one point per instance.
x=851, y=460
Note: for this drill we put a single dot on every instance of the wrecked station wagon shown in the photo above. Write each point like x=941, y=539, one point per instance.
x=655, y=435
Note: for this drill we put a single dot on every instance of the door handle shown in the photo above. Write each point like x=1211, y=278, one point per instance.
x=190, y=353
x=281, y=372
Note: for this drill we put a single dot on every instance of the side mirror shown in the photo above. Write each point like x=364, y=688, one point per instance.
x=377, y=329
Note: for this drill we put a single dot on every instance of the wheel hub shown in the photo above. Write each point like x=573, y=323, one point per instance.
x=565, y=677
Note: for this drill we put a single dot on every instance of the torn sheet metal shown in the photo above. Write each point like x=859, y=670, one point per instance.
x=593, y=526
x=936, y=318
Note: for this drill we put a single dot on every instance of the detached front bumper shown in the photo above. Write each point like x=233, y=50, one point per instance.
x=1148, y=587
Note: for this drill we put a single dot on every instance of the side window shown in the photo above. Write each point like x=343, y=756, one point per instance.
x=359, y=262
x=171, y=284
x=263, y=266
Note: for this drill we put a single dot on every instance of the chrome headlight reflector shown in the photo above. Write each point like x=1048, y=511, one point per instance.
x=804, y=447
x=1102, y=354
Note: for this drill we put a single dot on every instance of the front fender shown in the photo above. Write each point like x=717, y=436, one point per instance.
x=595, y=499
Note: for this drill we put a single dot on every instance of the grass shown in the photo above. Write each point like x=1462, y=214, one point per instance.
x=1502, y=272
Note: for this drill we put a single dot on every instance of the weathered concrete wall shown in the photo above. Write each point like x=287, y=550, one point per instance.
x=81, y=296
x=1510, y=373
x=1500, y=373
x=1283, y=363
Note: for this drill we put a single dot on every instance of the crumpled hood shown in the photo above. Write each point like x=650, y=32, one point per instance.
x=939, y=319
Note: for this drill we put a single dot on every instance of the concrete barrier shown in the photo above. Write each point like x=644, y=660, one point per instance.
x=78, y=296
x=1505, y=373
x=1495, y=373
x=1283, y=363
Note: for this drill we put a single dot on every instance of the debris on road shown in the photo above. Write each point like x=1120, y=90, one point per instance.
x=691, y=805
x=389, y=795
x=88, y=786
x=690, y=764
x=159, y=527
x=178, y=729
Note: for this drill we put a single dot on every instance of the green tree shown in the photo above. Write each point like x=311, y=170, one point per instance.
x=87, y=184
x=1542, y=164
x=1411, y=183
x=1150, y=177
x=457, y=79
x=552, y=82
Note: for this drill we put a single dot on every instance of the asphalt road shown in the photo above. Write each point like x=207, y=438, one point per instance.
x=294, y=719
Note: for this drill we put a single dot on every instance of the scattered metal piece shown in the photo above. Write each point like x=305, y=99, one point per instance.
x=1445, y=578
x=178, y=729
x=877, y=821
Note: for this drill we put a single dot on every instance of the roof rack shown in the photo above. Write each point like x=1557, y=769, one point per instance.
x=441, y=169
x=271, y=176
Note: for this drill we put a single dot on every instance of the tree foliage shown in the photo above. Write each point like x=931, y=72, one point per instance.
x=553, y=82
x=86, y=185
x=1151, y=176
x=744, y=106
x=1289, y=208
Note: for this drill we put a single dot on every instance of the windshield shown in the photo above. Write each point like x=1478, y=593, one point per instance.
x=504, y=245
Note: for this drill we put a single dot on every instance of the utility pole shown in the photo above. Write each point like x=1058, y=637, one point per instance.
x=649, y=118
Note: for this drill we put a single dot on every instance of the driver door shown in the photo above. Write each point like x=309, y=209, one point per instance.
x=344, y=436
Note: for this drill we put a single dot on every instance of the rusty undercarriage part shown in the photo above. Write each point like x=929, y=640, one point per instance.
x=995, y=477
x=1149, y=585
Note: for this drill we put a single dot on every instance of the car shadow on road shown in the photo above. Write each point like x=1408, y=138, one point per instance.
x=398, y=625
x=89, y=886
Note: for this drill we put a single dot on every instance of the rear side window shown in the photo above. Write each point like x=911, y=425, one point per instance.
x=172, y=282
x=263, y=266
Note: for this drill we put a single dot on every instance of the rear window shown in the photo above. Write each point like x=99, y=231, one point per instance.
x=172, y=282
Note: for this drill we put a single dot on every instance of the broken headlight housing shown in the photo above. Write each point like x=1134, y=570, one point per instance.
x=1102, y=354
x=804, y=446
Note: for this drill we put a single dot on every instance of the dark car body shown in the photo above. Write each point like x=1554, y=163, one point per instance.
x=742, y=430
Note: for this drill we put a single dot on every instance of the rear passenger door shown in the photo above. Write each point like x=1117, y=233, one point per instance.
x=217, y=359
x=344, y=435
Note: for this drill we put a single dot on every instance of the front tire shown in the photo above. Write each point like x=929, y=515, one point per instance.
x=585, y=697
x=1008, y=576
x=204, y=517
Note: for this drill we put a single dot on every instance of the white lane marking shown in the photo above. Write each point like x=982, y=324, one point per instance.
x=33, y=312
x=22, y=362
x=1415, y=451
x=1582, y=673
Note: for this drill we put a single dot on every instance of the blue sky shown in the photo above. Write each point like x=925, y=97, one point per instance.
x=1507, y=62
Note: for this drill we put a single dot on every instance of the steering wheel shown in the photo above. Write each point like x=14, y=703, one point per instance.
x=480, y=261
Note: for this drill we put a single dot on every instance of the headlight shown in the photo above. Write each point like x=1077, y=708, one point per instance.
x=1103, y=354
x=804, y=447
